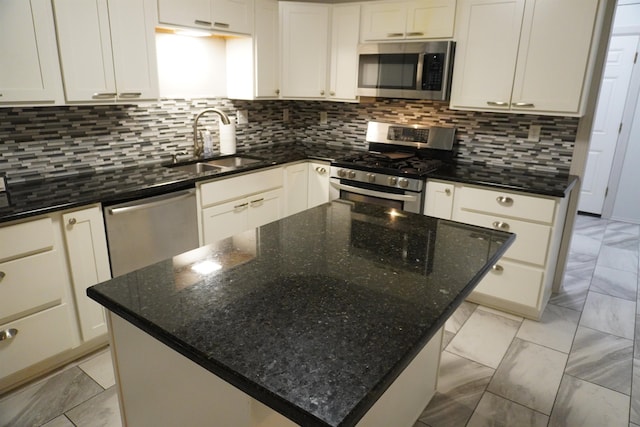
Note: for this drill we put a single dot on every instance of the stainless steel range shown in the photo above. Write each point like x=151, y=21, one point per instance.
x=394, y=171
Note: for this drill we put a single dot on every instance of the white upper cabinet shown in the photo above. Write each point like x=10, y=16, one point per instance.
x=107, y=49
x=523, y=55
x=305, y=48
x=29, y=69
x=419, y=19
x=226, y=15
x=319, y=50
x=253, y=63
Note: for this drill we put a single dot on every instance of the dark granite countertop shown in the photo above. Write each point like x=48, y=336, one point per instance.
x=22, y=200
x=314, y=315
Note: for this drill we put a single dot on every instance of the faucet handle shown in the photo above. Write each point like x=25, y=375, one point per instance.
x=174, y=156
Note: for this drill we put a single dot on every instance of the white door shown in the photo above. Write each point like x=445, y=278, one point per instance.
x=606, y=124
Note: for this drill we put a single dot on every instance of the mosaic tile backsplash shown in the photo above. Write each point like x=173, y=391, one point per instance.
x=37, y=142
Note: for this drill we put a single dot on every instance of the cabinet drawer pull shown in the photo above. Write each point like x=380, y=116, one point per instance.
x=415, y=34
x=277, y=91
x=8, y=334
x=522, y=104
x=497, y=268
x=260, y=200
x=130, y=95
x=500, y=225
x=242, y=205
x=2, y=275
x=104, y=95
x=321, y=170
x=504, y=200
x=498, y=103
x=221, y=24
x=72, y=221
x=395, y=34
x=200, y=22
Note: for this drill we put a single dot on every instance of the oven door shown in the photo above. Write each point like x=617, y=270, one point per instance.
x=409, y=201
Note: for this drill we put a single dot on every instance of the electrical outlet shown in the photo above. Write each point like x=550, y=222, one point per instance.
x=285, y=114
x=242, y=117
x=534, y=132
x=323, y=117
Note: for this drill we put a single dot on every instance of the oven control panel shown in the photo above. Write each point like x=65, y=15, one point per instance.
x=409, y=184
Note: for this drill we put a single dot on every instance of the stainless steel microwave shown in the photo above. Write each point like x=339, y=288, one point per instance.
x=415, y=70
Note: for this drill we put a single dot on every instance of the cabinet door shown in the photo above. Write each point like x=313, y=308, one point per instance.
x=29, y=70
x=318, y=188
x=554, y=54
x=189, y=13
x=267, y=49
x=439, y=200
x=305, y=29
x=134, y=48
x=383, y=21
x=224, y=220
x=265, y=208
x=343, y=74
x=89, y=263
x=295, y=188
x=233, y=15
x=84, y=41
x=488, y=35
x=430, y=19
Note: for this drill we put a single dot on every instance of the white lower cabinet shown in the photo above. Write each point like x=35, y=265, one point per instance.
x=306, y=185
x=89, y=264
x=232, y=205
x=46, y=264
x=521, y=281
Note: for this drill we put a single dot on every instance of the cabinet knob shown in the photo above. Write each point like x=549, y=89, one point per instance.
x=277, y=91
x=497, y=268
x=8, y=334
x=332, y=93
x=321, y=170
x=504, y=200
x=2, y=275
x=447, y=191
x=72, y=221
x=321, y=92
x=500, y=225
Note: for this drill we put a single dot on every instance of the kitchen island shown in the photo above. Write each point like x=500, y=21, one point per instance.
x=316, y=319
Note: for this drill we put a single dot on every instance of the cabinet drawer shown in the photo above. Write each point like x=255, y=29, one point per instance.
x=30, y=283
x=39, y=336
x=511, y=282
x=26, y=238
x=233, y=188
x=507, y=204
x=532, y=240
x=224, y=220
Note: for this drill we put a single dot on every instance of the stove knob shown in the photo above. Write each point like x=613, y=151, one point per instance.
x=342, y=173
x=352, y=174
x=393, y=180
x=403, y=182
x=371, y=177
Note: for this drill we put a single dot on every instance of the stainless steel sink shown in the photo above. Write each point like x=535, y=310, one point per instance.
x=197, y=168
x=233, y=162
x=216, y=165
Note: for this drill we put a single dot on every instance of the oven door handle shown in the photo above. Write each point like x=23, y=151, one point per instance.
x=373, y=193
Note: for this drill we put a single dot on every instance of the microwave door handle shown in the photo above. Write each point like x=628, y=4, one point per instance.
x=419, y=71
x=373, y=193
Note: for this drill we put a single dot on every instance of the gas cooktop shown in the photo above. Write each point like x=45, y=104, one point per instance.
x=392, y=163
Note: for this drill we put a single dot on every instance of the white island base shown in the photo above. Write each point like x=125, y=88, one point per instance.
x=158, y=386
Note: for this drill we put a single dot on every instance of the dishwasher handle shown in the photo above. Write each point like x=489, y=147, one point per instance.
x=158, y=201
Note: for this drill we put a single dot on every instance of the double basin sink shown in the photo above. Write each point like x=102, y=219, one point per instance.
x=217, y=165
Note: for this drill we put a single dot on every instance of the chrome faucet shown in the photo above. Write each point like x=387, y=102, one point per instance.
x=197, y=147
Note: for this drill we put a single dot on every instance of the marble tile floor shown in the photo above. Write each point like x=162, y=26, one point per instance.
x=578, y=366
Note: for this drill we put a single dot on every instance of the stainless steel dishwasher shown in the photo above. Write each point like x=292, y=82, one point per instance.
x=145, y=231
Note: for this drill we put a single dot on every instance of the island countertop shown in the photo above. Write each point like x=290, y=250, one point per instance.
x=314, y=315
